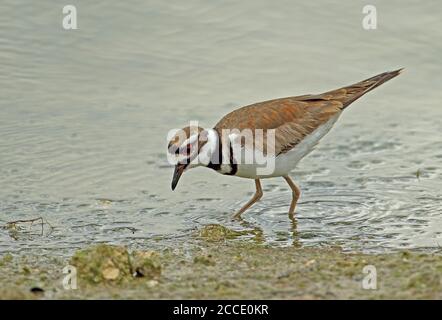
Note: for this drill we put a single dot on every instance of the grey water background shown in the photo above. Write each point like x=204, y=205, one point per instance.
x=84, y=116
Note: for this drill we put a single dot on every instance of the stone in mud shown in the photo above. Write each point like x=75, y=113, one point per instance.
x=146, y=264
x=102, y=263
x=114, y=264
x=111, y=273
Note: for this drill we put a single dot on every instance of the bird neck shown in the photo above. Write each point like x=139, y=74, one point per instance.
x=214, y=141
x=222, y=155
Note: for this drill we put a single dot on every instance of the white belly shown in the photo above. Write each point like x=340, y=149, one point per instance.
x=286, y=162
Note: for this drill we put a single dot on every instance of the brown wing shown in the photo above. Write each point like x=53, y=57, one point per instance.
x=292, y=120
x=295, y=117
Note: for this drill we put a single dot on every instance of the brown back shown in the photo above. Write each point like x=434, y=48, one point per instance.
x=293, y=118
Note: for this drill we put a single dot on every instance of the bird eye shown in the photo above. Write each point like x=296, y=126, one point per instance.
x=185, y=151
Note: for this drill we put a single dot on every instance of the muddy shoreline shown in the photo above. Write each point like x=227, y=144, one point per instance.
x=218, y=263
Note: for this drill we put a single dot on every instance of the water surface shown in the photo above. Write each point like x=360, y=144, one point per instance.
x=84, y=116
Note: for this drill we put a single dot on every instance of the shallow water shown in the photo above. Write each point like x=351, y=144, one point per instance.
x=84, y=116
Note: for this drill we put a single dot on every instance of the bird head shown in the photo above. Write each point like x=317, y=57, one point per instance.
x=187, y=148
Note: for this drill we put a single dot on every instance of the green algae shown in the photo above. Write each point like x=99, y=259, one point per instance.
x=5, y=259
x=204, y=259
x=114, y=264
x=146, y=264
x=102, y=263
x=219, y=233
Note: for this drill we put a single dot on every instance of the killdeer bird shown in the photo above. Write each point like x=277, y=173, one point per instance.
x=294, y=124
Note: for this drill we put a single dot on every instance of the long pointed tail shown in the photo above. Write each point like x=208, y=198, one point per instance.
x=353, y=92
x=371, y=83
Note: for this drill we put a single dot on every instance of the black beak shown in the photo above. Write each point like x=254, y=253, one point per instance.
x=179, y=169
